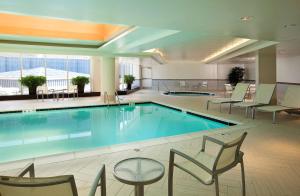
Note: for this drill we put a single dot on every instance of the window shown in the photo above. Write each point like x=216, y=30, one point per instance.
x=79, y=66
x=58, y=70
x=10, y=74
x=129, y=66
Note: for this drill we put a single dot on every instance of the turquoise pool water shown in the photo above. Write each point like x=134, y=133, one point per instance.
x=28, y=135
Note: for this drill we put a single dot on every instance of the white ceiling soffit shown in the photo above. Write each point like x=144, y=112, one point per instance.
x=133, y=38
x=247, y=49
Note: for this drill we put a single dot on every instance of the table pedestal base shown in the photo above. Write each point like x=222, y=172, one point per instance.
x=139, y=190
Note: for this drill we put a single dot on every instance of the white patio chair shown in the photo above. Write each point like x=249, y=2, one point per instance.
x=72, y=89
x=238, y=95
x=206, y=167
x=263, y=96
x=291, y=101
x=46, y=186
x=42, y=90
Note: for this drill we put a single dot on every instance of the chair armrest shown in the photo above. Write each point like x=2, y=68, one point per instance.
x=211, y=139
x=99, y=181
x=187, y=157
x=27, y=169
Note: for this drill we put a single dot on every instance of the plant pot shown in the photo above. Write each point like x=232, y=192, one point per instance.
x=80, y=89
x=128, y=86
x=32, y=91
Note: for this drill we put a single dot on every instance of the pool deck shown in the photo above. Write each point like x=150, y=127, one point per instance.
x=272, y=152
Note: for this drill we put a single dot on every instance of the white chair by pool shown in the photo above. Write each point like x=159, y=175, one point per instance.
x=291, y=101
x=43, y=90
x=238, y=95
x=46, y=186
x=228, y=89
x=73, y=90
x=206, y=167
x=263, y=97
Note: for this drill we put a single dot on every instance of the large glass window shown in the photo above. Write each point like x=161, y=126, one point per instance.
x=58, y=70
x=79, y=66
x=129, y=66
x=32, y=65
x=10, y=74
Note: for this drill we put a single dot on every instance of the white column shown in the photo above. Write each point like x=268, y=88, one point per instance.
x=95, y=73
x=266, y=67
x=108, y=77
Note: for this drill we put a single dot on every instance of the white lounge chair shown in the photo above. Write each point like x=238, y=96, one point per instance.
x=46, y=186
x=291, y=101
x=206, y=167
x=238, y=95
x=263, y=97
x=228, y=90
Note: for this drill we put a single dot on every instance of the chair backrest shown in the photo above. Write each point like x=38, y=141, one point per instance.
x=264, y=93
x=42, y=88
x=72, y=88
x=228, y=87
x=24, y=186
x=229, y=153
x=182, y=83
x=239, y=91
x=204, y=83
x=291, y=97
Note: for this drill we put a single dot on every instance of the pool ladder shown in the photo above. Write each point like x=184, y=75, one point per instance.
x=106, y=98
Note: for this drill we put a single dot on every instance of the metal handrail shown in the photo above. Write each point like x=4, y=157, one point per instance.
x=118, y=98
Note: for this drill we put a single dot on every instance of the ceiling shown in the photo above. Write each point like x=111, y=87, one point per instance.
x=186, y=30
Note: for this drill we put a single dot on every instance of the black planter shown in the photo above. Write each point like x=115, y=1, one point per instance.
x=80, y=89
x=128, y=86
x=32, y=91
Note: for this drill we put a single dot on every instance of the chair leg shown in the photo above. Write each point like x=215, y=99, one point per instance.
x=217, y=185
x=230, y=105
x=207, y=105
x=103, y=184
x=253, y=113
x=274, y=117
x=171, y=173
x=246, y=112
x=243, y=178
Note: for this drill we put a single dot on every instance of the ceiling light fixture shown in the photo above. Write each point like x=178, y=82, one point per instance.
x=234, y=44
x=154, y=50
x=246, y=18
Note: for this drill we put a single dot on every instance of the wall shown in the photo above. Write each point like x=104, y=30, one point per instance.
x=288, y=69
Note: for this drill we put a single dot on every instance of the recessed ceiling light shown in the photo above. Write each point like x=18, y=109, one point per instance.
x=246, y=18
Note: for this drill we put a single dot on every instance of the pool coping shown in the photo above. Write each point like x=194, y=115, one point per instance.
x=121, y=147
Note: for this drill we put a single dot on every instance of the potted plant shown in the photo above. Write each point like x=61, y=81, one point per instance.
x=80, y=81
x=128, y=79
x=236, y=75
x=32, y=82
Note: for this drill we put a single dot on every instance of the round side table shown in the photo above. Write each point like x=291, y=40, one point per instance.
x=139, y=172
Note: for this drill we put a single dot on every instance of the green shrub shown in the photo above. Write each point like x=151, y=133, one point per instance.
x=236, y=75
x=80, y=81
x=128, y=79
x=32, y=82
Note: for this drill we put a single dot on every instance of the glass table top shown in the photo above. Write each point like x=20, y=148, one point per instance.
x=139, y=170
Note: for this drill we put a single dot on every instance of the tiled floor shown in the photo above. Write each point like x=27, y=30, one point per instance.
x=272, y=153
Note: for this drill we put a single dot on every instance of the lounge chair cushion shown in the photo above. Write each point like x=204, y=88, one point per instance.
x=273, y=108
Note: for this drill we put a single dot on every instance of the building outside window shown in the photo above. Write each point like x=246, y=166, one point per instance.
x=129, y=66
x=58, y=70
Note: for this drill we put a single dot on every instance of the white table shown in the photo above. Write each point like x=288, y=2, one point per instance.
x=139, y=172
